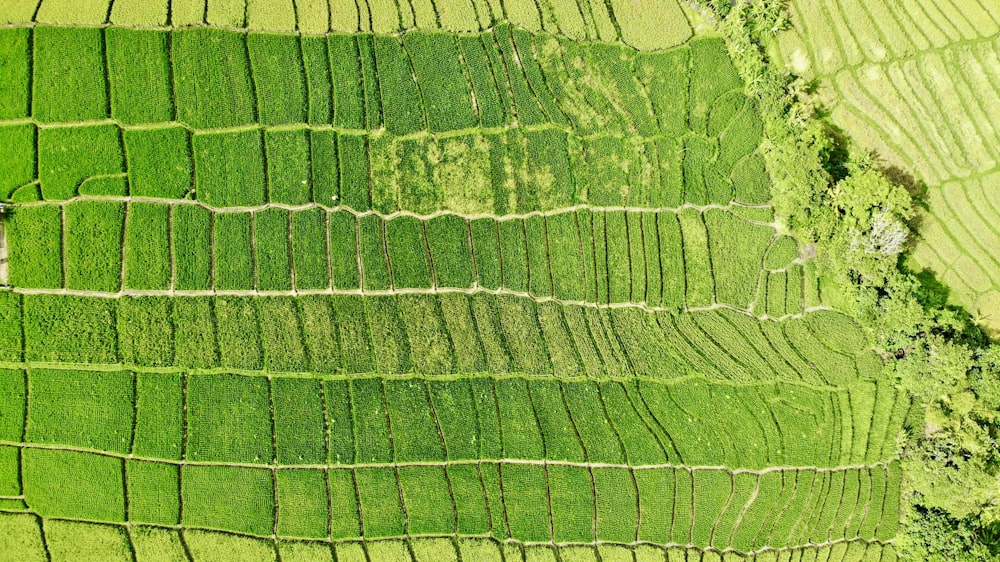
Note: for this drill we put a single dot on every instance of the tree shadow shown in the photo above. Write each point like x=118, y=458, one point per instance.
x=837, y=155
x=914, y=186
x=7, y=210
x=933, y=295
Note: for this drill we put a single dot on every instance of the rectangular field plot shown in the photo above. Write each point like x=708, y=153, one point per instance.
x=93, y=253
x=207, y=63
x=94, y=410
x=276, y=66
x=228, y=419
x=15, y=84
x=34, y=238
x=20, y=171
x=380, y=502
x=233, y=245
x=140, y=75
x=159, y=416
x=239, y=333
x=430, y=508
x=153, y=492
x=147, y=247
x=228, y=498
x=299, y=421
x=69, y=79
x=303, y=507
x=191, y=244
x=288, y=167
x=74, y=485
x=272, y=251
x=279, y=326
x=229, y=168
x=524, y=491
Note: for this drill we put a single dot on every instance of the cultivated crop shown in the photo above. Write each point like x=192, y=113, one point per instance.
x=917, y=88
x=464, y=280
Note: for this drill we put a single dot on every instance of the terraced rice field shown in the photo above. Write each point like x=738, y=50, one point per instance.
x=466, y=281
x=918, y=83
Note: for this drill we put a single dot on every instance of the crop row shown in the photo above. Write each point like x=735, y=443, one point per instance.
x=429, y=334
x=668, y=260
x=932, y=113
x=289, y=421
x=31, y=539
x=481, y=172
x=933, y=116
x=963, y=222
x=847, y=33
x=705, y=508
x=415, y=82
x=578, y=19
x=525, y=502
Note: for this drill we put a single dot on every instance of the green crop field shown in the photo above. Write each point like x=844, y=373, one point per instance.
x=918, y=83
x=463, y=280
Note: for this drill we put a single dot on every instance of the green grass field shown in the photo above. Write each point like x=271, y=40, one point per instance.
x=464, y=280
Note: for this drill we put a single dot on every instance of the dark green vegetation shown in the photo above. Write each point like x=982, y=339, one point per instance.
x=490, y=295
x=586, y=256
x=837, y=198
x=605, y=112
x=270, y=433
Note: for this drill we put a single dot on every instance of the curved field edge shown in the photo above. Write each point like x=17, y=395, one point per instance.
x=571, y=358
x=582, y=20
x=258, y=456
x=523, y=116
x=432, y=334
x=916, y=90
x=34, y=539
